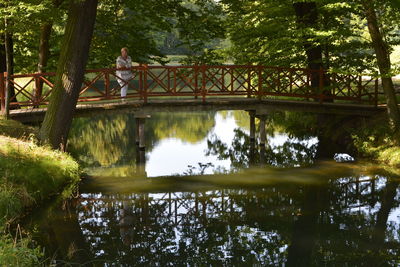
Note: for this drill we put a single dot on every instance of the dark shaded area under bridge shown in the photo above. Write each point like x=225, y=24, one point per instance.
x=211, y=104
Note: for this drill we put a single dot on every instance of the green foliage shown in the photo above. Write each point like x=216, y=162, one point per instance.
x=266, y=32
x=18, y=252
x=150, y=29
x=25, y=20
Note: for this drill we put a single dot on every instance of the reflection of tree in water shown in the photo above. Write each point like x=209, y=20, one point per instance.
x=102, y=140
x=294, y=152
x=191, y=127
x=298, y=225
x=198, y=170
x=357, y=226
x=179, y=228
x=337, y=222
x=109, y=139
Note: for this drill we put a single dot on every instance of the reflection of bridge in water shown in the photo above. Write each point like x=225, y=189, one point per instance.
x=238, y=225
x=227, y=87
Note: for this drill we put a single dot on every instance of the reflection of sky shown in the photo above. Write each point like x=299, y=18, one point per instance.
x=172, y=156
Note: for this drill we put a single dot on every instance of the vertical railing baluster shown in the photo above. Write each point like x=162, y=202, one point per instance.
x=169, y=80
x=204, y=82
x=107, y=84
x=260, y=89
x=145, y=83
x=38, y=90
x=223, y=79
x=140, y=70
x=232, y=80
x=249, y=82
x=196, y=81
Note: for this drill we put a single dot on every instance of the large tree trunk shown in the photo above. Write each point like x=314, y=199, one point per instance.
x=307, y=17
x=384, y=65
x=70, y=73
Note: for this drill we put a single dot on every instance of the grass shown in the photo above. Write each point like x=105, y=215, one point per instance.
x=29, y=175
x=375, y=140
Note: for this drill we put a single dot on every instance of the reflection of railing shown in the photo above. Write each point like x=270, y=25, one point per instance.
x=200, y=82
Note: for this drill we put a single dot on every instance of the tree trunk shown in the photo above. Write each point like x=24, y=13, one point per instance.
x=8, y=44
x=44, y=48
x=307, y=17
x=384, y=65
x=70, y=73
x=44, y=53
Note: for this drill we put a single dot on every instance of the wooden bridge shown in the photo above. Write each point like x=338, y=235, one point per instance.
x=205, y=87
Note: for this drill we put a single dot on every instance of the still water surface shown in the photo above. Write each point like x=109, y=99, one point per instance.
x=202, y=194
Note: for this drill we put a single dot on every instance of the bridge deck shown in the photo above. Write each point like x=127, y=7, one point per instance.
x=212, y=104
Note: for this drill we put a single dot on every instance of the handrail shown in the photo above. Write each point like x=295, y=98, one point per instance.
x=154, y=81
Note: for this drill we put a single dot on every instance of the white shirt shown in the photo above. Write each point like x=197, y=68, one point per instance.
x=124, y=63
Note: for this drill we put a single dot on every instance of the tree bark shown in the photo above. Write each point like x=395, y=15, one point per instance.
x=307, y=17
x=44, y=48
x=384, y=65
x=8, y=44
x=70, y=73
x=44, y=53
x=44, y=43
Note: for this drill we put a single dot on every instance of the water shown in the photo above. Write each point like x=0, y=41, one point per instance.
x=202, y=194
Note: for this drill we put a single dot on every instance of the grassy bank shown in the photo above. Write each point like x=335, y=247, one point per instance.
x=29, y=175
x=374, y=139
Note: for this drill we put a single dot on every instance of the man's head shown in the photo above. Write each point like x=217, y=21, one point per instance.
x=124, y=52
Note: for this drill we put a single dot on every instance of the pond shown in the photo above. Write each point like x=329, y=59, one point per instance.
x=203, y=194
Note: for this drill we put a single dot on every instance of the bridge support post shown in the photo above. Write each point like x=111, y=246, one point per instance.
x=252, y=114
x=140, y=133
x=263, y=134
x=141, y=162
x=137, y=121
x=263, y=155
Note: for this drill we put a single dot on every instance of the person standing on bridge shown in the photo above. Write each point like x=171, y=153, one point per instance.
x=124, y=62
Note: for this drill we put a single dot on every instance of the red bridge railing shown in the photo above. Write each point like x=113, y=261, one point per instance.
x=151, y=82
